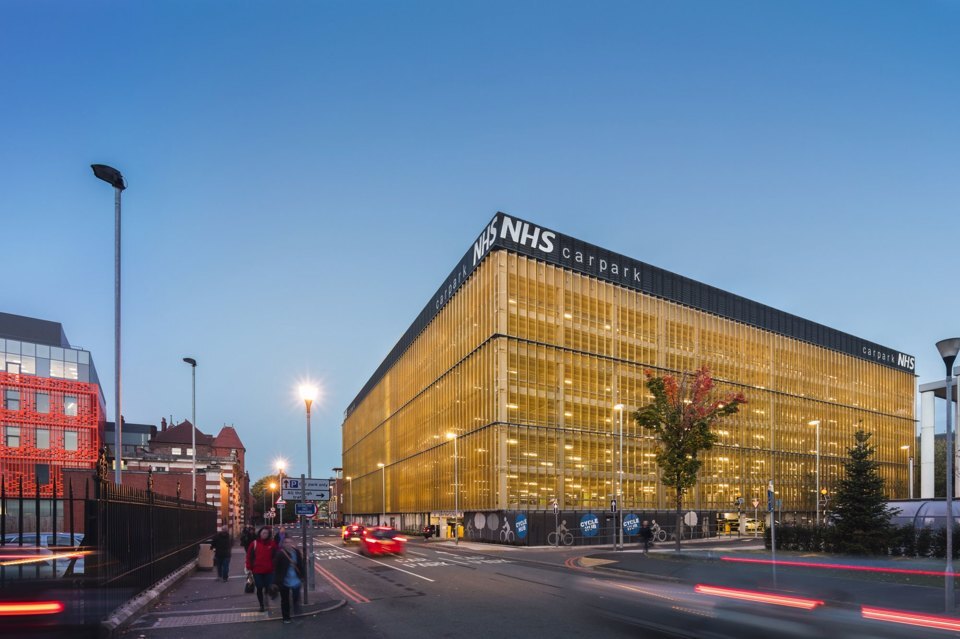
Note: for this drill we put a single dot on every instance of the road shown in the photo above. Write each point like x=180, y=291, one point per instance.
x=441, y=590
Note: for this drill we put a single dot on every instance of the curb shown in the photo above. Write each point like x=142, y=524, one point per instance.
x=127, y=613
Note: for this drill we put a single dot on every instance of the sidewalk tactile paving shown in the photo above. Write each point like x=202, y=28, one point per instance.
x=180, y=621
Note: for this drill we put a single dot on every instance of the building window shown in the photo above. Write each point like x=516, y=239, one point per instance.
x=43, y=402
x=11, y=436
x=190, y=451
x=70, y=405
x=174, y=451
x=11, y=399
x=70, y=440
x=43, y=438
x=42, y=474
x=56, y=368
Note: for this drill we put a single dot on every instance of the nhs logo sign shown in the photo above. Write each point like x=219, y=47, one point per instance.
x=503, y=227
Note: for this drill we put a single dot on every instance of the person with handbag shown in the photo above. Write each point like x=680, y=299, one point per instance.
x=289, y=575
x=260, y=564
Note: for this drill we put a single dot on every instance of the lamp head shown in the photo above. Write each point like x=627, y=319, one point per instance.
x=948, y=351
x=308, y=392
x=451, y=435
x=619, y=407
x=813, y=422
x=191, y=361
x=110, y=175
x=380, y=465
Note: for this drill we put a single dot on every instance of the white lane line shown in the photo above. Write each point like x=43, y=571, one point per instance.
x=412, y=574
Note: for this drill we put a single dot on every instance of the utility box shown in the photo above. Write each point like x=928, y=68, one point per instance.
x=205, y=557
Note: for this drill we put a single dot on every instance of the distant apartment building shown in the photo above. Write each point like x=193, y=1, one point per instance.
x=52, y=412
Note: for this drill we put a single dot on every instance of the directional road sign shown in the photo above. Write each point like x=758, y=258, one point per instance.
x=316, y=489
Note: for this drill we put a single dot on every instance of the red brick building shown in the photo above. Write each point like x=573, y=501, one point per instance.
x=222, y=479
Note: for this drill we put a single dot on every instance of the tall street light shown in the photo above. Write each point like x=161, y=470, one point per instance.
x=948, y=351
x=383, y=490
x=115, y=179
x=193, y=430
x=308, y=393
x=816, y=422
x=350, y=480
x=620, y=408
x=273, y=498
x=906, y=447
x=456, y=491
x=280, y=483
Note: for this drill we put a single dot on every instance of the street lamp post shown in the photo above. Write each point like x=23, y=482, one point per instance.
x=350, y=480
x=948, y=351
x=308, y=393
x=115, y=179
x=816, y=422
x=280, y=483
x=193, y=430
x=273, y=499
x=456, y=491
x=383, y=490
x=906, y=447
x=620, y=408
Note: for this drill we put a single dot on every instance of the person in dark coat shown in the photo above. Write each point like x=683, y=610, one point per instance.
x=646, y=535
x=222, y=545
x=289, y=574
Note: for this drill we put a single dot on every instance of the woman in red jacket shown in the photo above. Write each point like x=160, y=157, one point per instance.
x=260, y=562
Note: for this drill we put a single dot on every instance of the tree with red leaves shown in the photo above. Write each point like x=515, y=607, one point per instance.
x=681, y=416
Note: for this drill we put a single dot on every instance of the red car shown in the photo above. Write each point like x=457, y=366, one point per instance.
x=382, y=540
x=352, y=532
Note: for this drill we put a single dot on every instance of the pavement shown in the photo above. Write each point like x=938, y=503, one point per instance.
x=200, y=598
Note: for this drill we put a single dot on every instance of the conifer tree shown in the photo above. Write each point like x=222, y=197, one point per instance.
x=859, y=512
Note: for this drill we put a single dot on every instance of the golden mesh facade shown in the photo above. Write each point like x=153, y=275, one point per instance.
x=525, y=364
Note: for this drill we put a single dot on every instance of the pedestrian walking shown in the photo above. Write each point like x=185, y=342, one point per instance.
x=646, y=534
x=260, y=564
x=289, y=574
x=222, y=545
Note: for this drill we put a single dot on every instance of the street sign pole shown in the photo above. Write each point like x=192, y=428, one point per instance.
x=307, y=560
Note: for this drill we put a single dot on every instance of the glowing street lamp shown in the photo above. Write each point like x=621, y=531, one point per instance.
x=280, y=464
x=273, y=497
x=350, y=479
x=308, y=393
x=816, y=422
x=456, y=491
x=620, y=409
x=383, y=490
x=906, y=447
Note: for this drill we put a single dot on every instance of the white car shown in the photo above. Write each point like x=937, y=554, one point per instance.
x=753, y=525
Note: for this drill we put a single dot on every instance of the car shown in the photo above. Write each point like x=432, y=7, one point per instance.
x=382, y=540
x=352, y=532
x=57, y=550
x=753, y=525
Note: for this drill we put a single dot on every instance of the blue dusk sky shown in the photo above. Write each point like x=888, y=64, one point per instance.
x=304, y=175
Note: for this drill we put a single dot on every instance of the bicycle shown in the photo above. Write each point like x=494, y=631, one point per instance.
x=507, y=535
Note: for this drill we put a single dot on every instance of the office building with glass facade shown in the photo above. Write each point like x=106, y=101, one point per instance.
x=523, y=353
x=53, y=411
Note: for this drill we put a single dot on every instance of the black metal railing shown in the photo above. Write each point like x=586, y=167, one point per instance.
x=104, y=542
